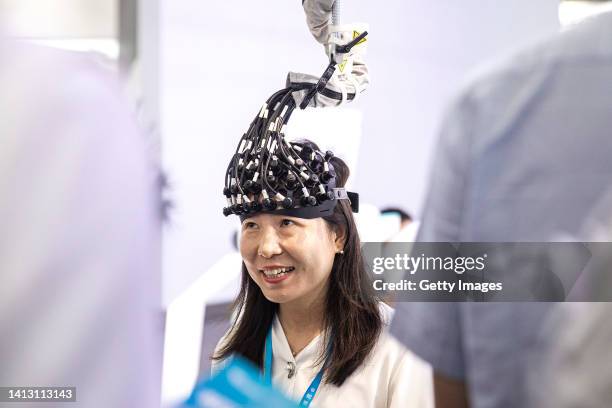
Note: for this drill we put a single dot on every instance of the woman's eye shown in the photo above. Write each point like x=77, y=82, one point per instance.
x=249, y=225
x=287, y=222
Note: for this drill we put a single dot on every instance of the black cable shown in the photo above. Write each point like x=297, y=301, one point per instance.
x=248, y=182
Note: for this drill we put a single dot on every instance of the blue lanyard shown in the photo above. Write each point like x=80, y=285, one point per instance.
x=312, y=388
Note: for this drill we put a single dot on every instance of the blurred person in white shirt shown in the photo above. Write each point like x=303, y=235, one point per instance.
x=79, y=245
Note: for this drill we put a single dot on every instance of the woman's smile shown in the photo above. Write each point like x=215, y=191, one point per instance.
x=276, y=274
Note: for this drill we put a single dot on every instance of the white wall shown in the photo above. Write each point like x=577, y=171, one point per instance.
x=221, y=60
x=426, y=48
x=61, y=18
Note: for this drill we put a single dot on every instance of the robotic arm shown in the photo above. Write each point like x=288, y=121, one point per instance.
x=319, y=17
x=346, y=76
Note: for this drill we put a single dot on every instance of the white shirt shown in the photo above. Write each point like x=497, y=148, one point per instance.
x=391, y=375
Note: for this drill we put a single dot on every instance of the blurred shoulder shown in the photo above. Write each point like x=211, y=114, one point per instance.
x=531, y=67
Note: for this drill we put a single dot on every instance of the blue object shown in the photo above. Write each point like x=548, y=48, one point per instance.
x=239, y=384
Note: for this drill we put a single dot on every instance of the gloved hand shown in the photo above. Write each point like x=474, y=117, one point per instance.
x=319, y=18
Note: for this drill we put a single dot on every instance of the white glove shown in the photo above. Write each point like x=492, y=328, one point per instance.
x=319, y=18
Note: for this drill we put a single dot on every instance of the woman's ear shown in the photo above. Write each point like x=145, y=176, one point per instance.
x=339, y=238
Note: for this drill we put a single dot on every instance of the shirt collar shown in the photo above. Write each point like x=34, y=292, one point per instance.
x=280, y=346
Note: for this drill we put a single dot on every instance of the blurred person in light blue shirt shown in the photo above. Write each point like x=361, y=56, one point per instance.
x=524, y=154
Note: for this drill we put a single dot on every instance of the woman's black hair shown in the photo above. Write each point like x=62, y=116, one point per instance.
x=352, y=317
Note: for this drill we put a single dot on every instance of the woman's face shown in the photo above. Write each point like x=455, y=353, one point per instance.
x=289, y=258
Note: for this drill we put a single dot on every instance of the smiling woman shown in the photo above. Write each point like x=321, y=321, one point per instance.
x=306, y=314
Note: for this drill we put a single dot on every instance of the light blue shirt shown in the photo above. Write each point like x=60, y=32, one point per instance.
x=524, y=154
